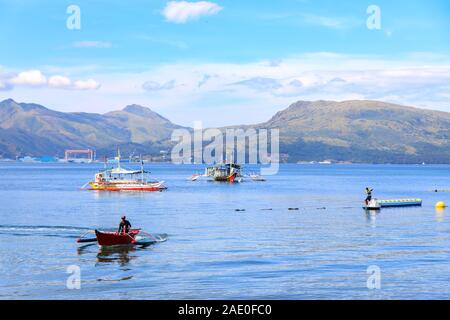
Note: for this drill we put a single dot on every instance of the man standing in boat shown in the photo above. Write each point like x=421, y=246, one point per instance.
x=124, y=226
x=369, y=195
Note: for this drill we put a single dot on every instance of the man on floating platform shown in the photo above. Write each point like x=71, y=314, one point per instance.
x=369, y=195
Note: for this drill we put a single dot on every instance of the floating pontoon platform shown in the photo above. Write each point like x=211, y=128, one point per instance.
x=378, y=204
x=400, y=203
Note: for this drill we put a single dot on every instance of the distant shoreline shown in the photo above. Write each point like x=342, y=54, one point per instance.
x=315, y=163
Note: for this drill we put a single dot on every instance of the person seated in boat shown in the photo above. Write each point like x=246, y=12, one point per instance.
x=124, y=226
x=369, y=195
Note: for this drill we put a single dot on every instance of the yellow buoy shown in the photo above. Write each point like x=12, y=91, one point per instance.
x=440, y=204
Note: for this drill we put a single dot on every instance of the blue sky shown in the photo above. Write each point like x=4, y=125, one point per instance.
x=197, y=60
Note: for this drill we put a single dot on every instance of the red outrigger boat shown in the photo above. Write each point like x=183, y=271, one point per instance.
x=115, y=238
x=134, y=237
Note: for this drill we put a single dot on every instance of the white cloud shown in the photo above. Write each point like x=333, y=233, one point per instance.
x=89, y=84
x=205, y=79
x=29, y=78
x=260, y=83
x=37, y=79
x=255, y=91
x=92, y=44
x=59, y=82
x=4, y=86
x=156, y=86
x=184, y=11
x=4, y=82
x=259, y=89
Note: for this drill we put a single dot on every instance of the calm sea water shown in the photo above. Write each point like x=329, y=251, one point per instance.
x=321, y=251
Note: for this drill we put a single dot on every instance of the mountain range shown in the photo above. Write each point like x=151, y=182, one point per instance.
x=31, y=129
x=355, y=131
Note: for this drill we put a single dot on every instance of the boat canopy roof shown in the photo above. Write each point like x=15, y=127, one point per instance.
x=226, y=165
x=124, y=171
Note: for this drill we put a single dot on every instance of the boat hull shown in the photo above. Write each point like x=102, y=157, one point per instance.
x=127, y=187
x=368, y=208
x=116, y=239
x=230, y=178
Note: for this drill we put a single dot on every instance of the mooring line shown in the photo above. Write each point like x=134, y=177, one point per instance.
x=300, y=208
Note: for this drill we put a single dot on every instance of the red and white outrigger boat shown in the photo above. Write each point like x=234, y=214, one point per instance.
x=121, y=179
x=135, y=237
x=228, y=172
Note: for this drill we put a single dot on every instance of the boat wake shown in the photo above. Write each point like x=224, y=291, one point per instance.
x=151, y=238
x=47, y=231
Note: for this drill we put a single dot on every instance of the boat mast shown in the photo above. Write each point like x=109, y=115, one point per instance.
x=142, y=168
x=118, y=158
x=118, y=162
